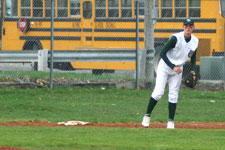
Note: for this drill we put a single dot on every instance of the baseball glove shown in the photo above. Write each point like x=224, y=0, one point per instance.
x=191, y=79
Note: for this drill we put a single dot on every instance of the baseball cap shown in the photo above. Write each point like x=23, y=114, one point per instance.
x=188, y=21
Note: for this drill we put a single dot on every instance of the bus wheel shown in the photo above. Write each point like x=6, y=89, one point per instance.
x=35, y=46
x=109, y=71
x=97, y=71
x=101, y=71
x=62, y=66
x=32, y=45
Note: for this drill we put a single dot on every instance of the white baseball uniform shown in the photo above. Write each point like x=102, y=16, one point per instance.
x=177, y=56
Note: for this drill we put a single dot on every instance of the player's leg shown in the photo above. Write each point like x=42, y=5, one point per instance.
x=158, y=91
x=147, y=117
x=174, y=87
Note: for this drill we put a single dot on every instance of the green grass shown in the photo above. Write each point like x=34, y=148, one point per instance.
x=71, y=138
x=109, y=105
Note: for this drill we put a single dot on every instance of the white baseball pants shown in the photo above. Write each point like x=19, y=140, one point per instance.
x=164, y=74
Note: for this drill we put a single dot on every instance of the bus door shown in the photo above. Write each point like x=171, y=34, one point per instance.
x=87, y=22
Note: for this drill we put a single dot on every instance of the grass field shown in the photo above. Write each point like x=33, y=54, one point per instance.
x=79, y=138
x=110, y=105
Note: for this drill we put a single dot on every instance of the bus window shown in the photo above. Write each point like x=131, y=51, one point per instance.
x=113, y=8
x=157, y=4
x=222, y=4
x=87, y=10
x=75, y=8
x=166, y=9
x=180, y=8
x=38, y=8
x=62, y=8
x=8, y=8
x=25, y=8
x=141, y=8
x=11, y=8
x=156, y=9
x=47, y=8
x=100, y=8
x=194, y=8
x=126, y=8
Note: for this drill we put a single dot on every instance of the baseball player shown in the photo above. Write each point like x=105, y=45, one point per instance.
x=175, y=53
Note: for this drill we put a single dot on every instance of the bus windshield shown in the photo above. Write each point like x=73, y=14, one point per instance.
x=8, y=8
x=222, y=3
x=11, y=8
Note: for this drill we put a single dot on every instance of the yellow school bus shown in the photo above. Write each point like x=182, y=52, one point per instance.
x=107, y=25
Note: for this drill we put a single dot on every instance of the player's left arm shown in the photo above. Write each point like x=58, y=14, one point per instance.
x=193, y=64
x=168, y=46
x=193, y=61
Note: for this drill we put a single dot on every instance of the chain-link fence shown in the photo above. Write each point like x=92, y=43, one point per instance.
x=95, y=40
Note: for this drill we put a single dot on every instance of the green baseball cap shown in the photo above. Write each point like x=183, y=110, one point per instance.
x=188, y=21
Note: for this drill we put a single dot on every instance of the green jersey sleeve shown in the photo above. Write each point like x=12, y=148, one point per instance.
x=168, y=46
x=193, y=61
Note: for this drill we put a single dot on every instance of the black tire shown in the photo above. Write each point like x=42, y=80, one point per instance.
x=101, y=71
x=62, y=66
x=108, y=71
x=97, y=71
x=33, y=45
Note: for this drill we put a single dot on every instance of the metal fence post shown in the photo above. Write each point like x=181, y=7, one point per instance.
x=149, y=36
x=224, y=59
x=52, y=41
x=137, y=44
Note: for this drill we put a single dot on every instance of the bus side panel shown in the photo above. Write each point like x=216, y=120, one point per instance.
x=10, y=36
x=113, y=35
x=209, y=9
x=203, y=49
x=117, y=35
x=105, y=65
x=220, y=34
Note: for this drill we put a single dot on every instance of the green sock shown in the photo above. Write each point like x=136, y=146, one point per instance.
x=172, y=110
x=151, y=105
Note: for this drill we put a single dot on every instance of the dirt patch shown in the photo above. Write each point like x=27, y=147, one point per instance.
x=181, y=125
x=9, y=148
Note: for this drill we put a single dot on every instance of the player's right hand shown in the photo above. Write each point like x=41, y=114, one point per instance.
x=178, y=70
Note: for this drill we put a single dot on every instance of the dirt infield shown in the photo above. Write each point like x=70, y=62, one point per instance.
x=181, y=125
x=9, y=148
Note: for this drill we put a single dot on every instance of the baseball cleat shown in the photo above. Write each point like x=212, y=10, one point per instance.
x=170, y=125
x=146, y=121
